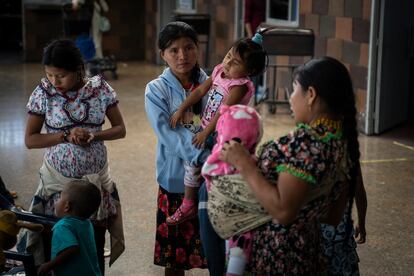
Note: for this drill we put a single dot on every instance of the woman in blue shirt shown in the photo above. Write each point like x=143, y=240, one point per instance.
x=177, y=248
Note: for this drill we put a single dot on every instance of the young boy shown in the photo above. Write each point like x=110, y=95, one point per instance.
x=73, y=243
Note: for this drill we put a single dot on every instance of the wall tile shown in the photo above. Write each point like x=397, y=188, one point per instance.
x=302, y=21
x=336, y=7
x=366, y=9
x=320, y=6
x=364, y=54
x=334, y=48
x=344, y=28
x=351, y=52
x=353, y=8
x=298, y=60
x=320, y=46
x=360, y=30
x=221, y=30
x=305, y=6
x=359, y=76
x=312, y=22
x=221, y=13
x=361, y=100
x=282, y=59
x=327, y=26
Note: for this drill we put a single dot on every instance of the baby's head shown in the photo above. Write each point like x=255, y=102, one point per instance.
x=78, y=198
x=240, y=122
x=250, y=54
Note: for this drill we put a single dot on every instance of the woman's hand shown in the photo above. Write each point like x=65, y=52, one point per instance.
x=360, y=233
x=234, y=153
x=79, y=136
x=200, y=138
x=176, y=118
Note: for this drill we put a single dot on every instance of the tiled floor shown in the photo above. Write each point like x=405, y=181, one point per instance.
x=388, y=170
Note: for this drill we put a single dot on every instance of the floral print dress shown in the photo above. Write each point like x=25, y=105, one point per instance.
x=317, y=155
x=84, y=108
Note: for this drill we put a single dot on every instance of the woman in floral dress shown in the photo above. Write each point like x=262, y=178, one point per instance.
x=303, y=177
x=72, y=109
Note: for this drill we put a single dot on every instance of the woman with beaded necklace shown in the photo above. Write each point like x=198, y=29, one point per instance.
x=305, y=177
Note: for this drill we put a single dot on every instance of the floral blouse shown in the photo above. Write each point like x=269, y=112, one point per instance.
x=84, y=108
x=318, y=156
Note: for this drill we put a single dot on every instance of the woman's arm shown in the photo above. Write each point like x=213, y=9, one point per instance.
x=34, y=139
x=117, y=129
x=195, y=96
x=236, y=95
x=361, y=206
x=284, y=200
x=178, y=140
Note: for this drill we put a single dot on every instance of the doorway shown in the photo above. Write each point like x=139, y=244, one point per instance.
x=390, y=84
x=11, y=36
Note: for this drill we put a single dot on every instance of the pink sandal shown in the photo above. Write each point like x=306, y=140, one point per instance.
x=179, y=216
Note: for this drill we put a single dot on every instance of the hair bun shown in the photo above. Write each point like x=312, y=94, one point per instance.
x=257, y=38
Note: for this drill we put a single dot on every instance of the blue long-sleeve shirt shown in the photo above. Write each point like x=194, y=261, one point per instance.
x=163, y=96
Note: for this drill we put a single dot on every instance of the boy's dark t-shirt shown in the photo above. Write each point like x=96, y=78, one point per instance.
x=72, y=231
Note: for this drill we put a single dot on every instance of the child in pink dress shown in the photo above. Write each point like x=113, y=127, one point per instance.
x=228, y=84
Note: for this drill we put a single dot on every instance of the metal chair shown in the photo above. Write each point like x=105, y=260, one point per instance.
x=284, y=42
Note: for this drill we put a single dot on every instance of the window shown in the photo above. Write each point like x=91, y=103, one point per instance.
x=185, y=6
x=282, y=12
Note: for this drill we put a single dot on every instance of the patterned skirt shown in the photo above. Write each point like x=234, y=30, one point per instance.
x=340, y=248
x=178, y=247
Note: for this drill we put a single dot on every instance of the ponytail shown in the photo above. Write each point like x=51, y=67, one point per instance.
x=194, y=78
x=351, y=134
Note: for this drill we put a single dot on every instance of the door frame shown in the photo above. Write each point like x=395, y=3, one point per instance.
x=374, y=66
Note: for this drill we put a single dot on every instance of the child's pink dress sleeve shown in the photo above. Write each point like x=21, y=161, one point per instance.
x=250, y=89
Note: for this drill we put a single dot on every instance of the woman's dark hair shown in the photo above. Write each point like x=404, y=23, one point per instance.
x=253, y=55
x=63, y=53
x=173, y=31
x=333, y=84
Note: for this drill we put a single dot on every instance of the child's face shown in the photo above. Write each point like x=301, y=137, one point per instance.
x=62, y=205
x=233, y=66
x=61, y=79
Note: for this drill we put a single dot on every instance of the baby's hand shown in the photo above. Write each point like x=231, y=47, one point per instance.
x=199, y=139
x=176, y=118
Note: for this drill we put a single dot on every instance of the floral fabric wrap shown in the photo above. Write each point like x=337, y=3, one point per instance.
x=232, y=207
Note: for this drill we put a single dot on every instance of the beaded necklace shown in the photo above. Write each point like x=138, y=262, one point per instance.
x=331, y=124
x=328, y=128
